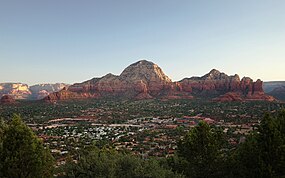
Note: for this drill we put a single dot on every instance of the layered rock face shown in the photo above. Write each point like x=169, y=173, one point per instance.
x=141, y=80
x=227, y=88
x=213, y=82
x=145, y=80
x=17, y=90
x=23, y=91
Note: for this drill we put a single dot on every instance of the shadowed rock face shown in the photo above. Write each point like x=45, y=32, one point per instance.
x=275, y=89
x=278, y=93
x=7, y=99
x=146, y=80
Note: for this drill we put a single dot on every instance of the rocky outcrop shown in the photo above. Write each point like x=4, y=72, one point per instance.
x=40, y=91
x=249, y=91
x=65, y=94
x=7, y=99
x=17, y=90
x=141, y=80
x=22, y=91
x=146, y=80
x=230, y=96
x=213, y=82
x=226, y=88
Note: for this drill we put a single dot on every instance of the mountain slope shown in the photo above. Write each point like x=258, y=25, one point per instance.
x=278, y=93
x=275, y=89
x=145, y=80
x=270, y=86
x=23, y=91
x=141, y=80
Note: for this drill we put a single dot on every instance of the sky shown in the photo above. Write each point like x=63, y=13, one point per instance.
x=49, y=41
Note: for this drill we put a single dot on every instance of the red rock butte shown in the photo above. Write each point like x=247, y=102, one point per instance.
x=7, y=99
x=146, y=80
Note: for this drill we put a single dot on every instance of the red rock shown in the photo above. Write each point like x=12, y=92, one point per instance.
x=7, y=99
x=230, y=96
x=145, y=80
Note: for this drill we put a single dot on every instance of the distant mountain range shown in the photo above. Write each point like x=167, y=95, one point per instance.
x=35, y=92
x=146, y=80
x=276, y=89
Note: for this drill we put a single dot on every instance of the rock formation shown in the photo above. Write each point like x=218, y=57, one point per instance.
x=17, y=90
x=146, y=80
x=23, y=91
x=247, y=90
x=7, y=99
x=213, y=82
x=42, y=90
x=141, y=80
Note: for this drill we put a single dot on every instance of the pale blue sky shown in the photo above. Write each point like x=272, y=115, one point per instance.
x=71, y=41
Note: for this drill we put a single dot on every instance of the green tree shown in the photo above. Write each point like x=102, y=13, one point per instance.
x=199, y=152
x=244, y=162
x=107, y=162
x=263, y=152
x=22, y=154
x=271, y=142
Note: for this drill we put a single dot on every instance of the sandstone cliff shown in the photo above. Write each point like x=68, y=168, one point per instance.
x=7, y=99
x=141, y=80
x=17, y=90
x=226, y=88
x=23, y=91
x=146, y=80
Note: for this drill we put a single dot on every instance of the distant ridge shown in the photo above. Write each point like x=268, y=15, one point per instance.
x=34, y=92
x=276, y=89
x=146, y=80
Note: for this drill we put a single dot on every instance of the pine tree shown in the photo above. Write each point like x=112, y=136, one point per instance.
x=199, y=151
x=22, y=154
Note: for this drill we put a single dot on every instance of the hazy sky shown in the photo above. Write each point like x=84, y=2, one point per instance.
x=74, y=40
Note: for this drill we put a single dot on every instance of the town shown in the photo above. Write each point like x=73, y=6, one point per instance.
x=145, y=128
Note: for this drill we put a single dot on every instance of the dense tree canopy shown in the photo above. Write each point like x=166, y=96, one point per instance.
x=263, y=152
x=202, y=152
x=22, y=154
x=199, y=152
x=107, y=162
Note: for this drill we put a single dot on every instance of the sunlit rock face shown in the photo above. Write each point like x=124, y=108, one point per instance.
x=146, y=80
x=141, y=80
x=23, y=91
x=17, y=90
